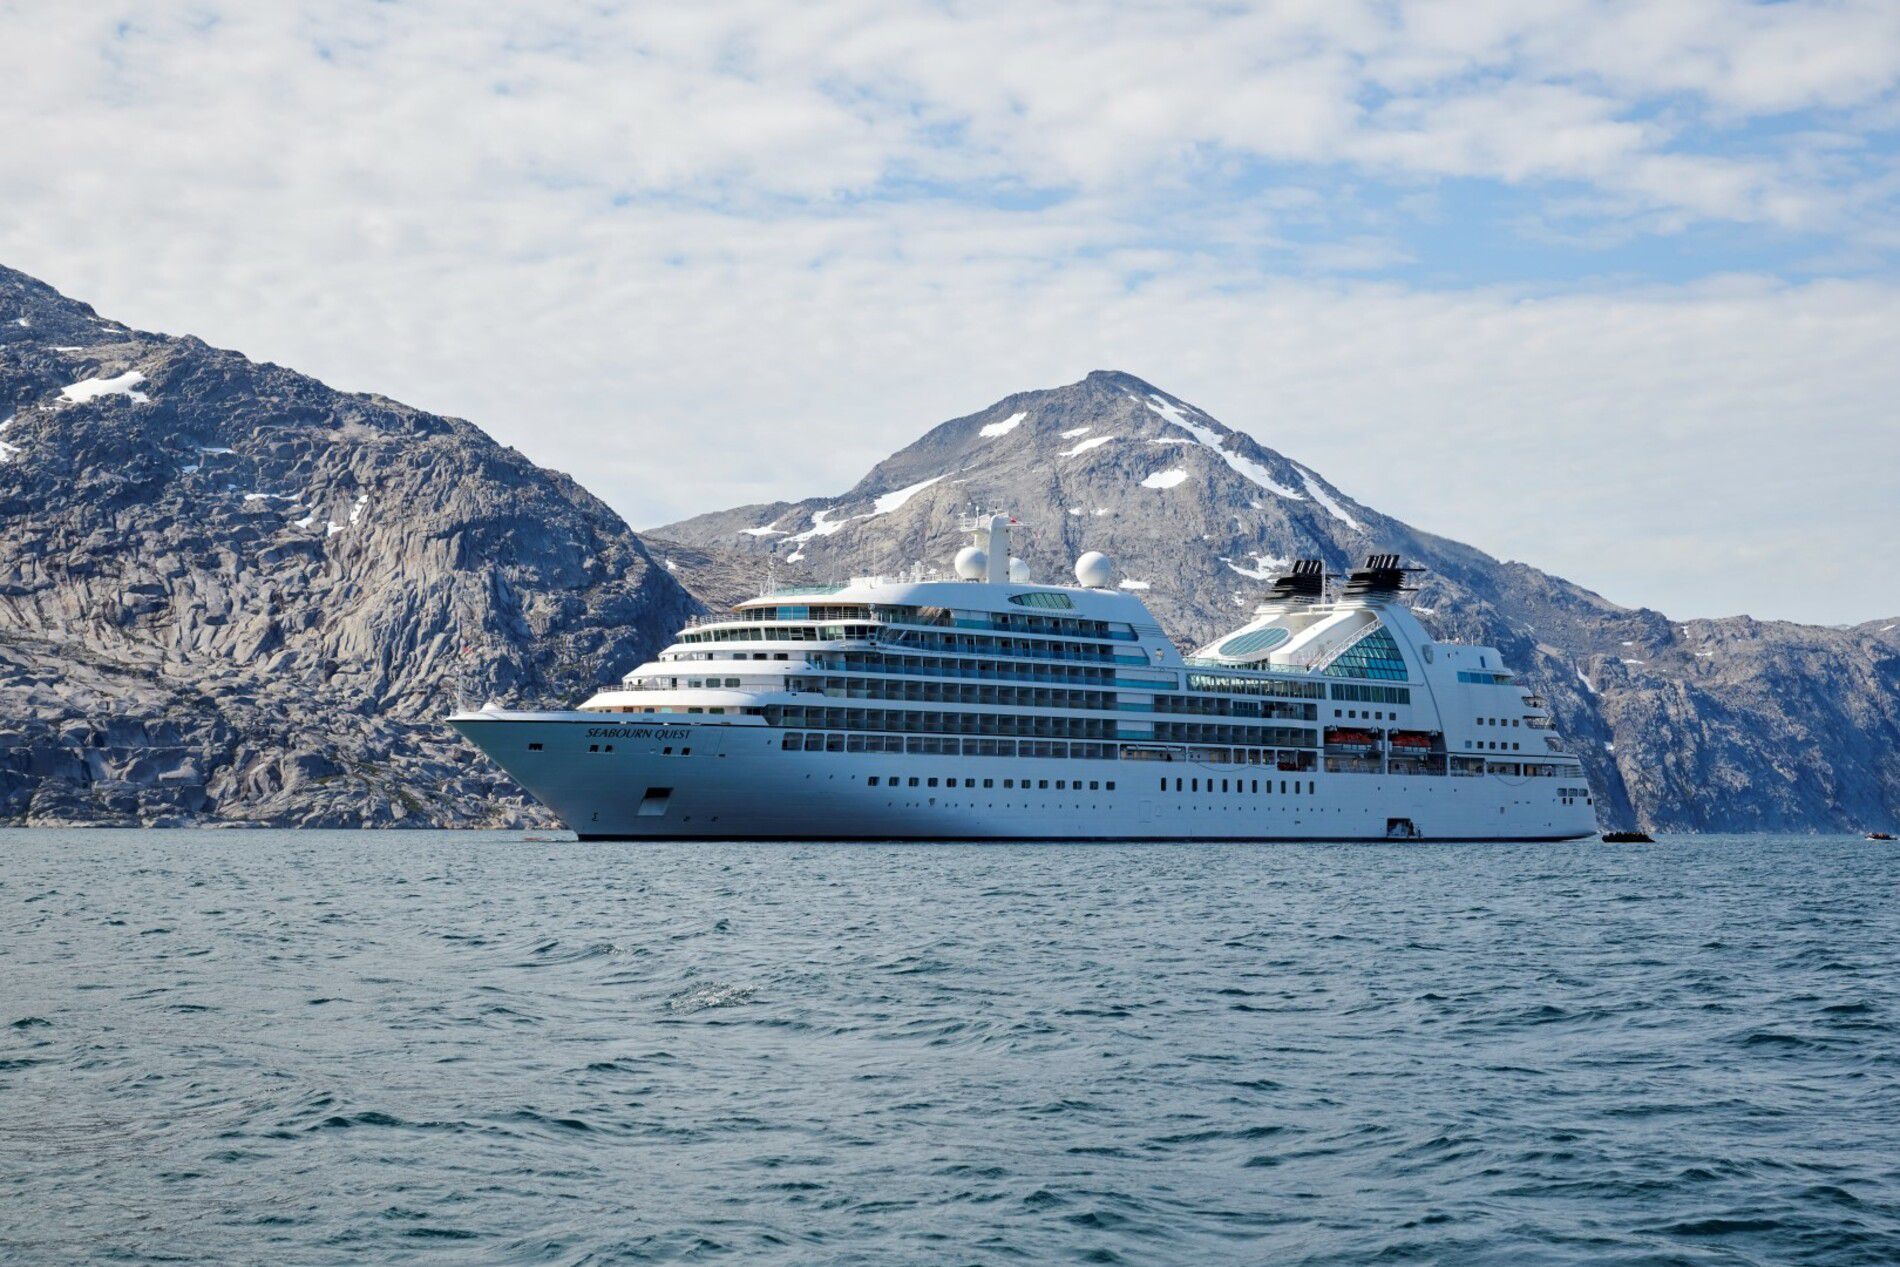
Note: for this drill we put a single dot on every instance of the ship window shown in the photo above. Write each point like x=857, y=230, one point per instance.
x=1177, y=785
x=1309, y=787
x=913, y=781
x=1009, y=783
x=1094, y=785
x=610, y=747
x=1256, y=785
x=1043, y=784
x=931, y=783
x=1111, y=785
x=1194, y=785
x=534, y=747
x=1282, y=787
x=872, y=781
x=989, y=782
x=1223, y=784
x=593, y=747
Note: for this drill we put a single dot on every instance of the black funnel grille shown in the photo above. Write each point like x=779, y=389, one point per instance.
x=1306, y=583
x=1381, y=575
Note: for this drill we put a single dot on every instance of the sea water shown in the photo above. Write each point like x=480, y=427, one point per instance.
x=323, y=1047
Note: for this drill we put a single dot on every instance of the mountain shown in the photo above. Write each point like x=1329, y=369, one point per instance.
x=229, y=593
x=1702, y=725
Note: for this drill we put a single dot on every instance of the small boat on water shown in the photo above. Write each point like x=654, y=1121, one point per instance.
x=1628, y=838
x=1880, y=835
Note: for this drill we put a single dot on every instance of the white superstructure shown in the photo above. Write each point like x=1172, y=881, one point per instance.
x=993, y=708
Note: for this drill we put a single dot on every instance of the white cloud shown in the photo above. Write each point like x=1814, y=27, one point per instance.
x=655, y=244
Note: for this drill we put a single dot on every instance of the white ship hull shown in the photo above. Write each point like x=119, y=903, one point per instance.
x=703, y=781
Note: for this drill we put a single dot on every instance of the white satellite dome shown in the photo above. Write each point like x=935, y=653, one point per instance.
x=1094, y=570
x=972, y=563
x=1018, y=571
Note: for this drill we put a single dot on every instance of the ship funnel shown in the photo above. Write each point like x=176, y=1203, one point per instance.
x=1306, y=583
x=1380, y=580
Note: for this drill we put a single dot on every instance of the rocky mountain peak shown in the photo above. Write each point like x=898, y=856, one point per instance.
x=292, y=578
x=1199, y=517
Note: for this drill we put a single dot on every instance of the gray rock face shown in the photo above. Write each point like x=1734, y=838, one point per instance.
x=231, y=593
x=1707, y=725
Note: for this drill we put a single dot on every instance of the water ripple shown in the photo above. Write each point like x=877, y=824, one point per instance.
x=471, y=1047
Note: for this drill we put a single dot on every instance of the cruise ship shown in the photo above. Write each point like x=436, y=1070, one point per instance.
x=991, y=708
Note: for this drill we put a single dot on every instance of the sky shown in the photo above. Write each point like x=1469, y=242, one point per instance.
x=1608, y=288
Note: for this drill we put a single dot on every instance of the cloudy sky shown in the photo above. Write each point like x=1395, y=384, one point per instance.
x=1608, y=288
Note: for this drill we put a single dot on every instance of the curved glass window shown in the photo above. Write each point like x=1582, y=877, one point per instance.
x=1375, y=656
x=1054, y=602
x=1252, y=641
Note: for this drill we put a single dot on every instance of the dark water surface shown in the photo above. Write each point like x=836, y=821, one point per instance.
x=323, y=1047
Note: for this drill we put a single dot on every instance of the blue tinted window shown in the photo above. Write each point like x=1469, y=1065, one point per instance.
x=1374, y=656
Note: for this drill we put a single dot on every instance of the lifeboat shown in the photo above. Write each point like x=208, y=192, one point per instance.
x=1341, y=738
x=1411, y=742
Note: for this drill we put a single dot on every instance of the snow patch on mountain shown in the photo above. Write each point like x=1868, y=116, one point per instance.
x=1164, y=479
x=1325, y=499
x=1134, y=585
x=1265, y=566
x=1213, y=439
x=822, y=525
x=1093, y=442
x=93, y=388
x=993, y=429
x=895, y=501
